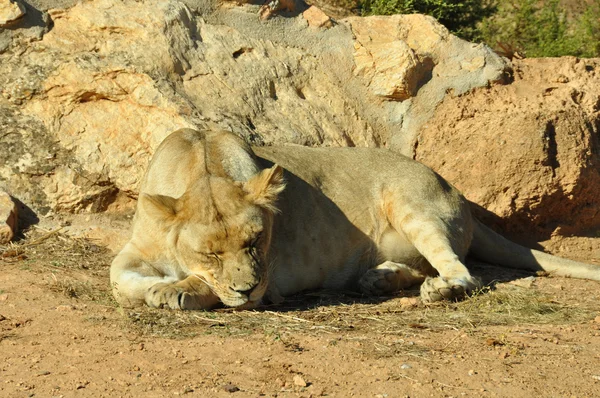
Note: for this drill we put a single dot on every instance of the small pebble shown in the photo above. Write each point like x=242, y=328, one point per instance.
x=405, y=366
x=472, y=372
x=493, y=342
x=408, y=302
x=230, y=388
x=597, y=319
x=299, y=381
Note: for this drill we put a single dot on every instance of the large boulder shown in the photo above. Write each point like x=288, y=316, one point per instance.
x=88, y=92
x=528, y=153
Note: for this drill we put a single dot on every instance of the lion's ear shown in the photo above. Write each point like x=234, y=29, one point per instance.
x=161, y=207
x=264, y=188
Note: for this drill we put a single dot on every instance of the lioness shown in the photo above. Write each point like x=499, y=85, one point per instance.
x=217, y=223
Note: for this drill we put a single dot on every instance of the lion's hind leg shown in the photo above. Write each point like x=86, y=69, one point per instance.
x=389, y=277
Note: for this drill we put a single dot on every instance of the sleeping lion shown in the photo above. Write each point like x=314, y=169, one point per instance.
x=220, y=222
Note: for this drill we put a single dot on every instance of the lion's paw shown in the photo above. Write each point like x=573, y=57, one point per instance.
x=168, y=295
x=438, y=289
x=377, y=282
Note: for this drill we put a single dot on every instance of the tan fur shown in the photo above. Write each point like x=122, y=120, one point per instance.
x=215, y=223
x=195, y=239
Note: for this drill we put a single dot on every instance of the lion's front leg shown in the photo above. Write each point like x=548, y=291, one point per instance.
x=189, y=294
x=136, y=282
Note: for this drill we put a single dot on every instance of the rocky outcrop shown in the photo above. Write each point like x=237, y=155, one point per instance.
x=528, y=152
x=88, y=92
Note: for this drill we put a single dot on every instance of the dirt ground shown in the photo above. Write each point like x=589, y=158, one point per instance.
x=62, y=335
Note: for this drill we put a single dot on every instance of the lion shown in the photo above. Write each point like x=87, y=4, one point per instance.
x=220, y=223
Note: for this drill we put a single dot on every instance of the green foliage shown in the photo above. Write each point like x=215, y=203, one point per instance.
x=459, y=16
x=544, y=29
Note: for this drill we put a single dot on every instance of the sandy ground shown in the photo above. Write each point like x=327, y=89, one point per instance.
x=62, y=335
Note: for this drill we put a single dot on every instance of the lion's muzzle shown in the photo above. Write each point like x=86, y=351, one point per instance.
x=248, y=294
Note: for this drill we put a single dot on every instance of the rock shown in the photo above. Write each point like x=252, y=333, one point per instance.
x=392, y=67
x=404, y=57
x=10, y=11
x=267, y=10
x=409, y=302
x=230, y=388
x=299, y=381
x=317, y=18
x=65, y=308
x=86, y=98
x=493, y=342
x=528, y=152
x=8, y=218
x=84, y=105
x=597, y=319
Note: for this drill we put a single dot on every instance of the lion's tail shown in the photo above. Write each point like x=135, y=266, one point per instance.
x=493, y=248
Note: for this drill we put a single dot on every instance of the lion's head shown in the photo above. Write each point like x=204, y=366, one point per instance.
x=220, y=231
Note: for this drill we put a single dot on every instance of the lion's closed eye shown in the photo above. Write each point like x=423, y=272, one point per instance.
x=210, y=256
x=252, y=243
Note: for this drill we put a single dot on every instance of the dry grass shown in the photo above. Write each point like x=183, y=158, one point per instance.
x=79, y=270
x=341, y=314
x=76, y=267
x=58, y=250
